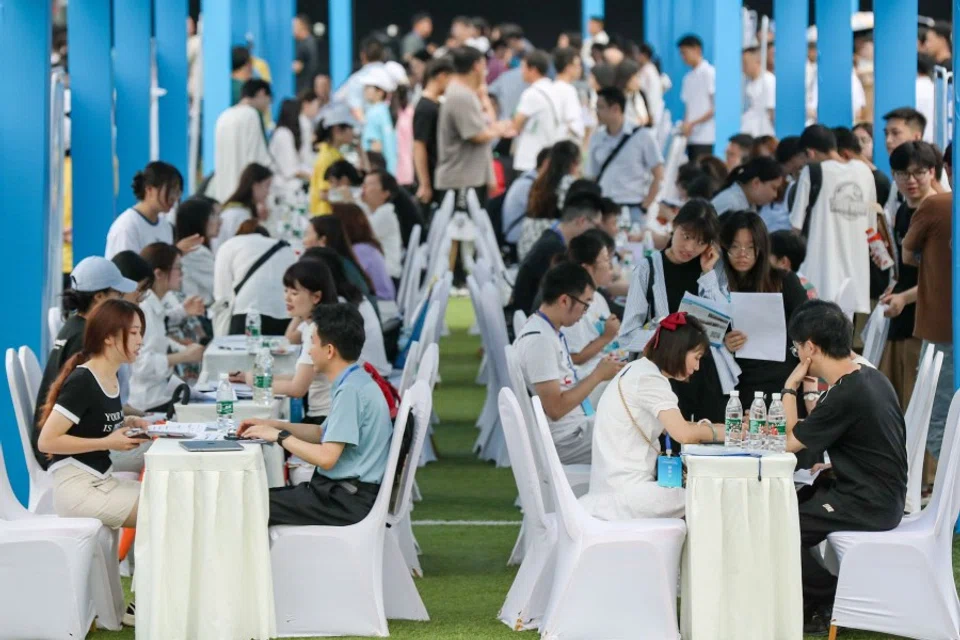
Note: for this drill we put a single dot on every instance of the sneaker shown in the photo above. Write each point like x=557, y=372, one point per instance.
x=130, y=615
x=817, y=625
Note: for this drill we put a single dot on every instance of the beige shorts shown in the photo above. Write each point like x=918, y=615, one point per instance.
x=81, y=494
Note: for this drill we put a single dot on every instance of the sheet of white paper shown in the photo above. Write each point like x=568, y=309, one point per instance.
x=715, y=316
x=804, y=477
x=199, y=430
x=760, y=316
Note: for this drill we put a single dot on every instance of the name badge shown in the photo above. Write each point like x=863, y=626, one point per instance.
x=669, y=471
x=587, y=407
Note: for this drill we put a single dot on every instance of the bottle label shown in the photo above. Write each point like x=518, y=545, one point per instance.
x=756, y=426
x=779, y=427
x=263, y=381
x=253, y=332
x=732, y=424
x=225, y=408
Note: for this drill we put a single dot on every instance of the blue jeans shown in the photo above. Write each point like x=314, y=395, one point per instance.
x=942, y=398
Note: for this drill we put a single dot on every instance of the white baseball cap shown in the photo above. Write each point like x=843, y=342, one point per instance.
x=380, y=78
x=97, y=273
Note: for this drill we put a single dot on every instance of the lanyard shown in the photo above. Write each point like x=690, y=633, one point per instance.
x=347, y=372
x=566, y=347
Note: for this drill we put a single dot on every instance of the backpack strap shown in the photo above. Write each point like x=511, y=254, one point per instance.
x=816, y=182
x=259, y=263
x=613, y=154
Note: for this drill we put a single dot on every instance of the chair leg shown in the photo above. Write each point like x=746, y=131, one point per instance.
x=833, y=632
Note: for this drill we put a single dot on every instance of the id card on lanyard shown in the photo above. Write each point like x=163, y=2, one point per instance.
x=586, y=405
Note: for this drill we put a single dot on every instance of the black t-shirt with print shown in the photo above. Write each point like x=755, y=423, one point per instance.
x=94, y=414
x=860, y=424
x=68, y=342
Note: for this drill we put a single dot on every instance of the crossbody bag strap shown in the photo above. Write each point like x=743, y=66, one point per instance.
x=259, y=263
x=630, y=414
x=613, y=154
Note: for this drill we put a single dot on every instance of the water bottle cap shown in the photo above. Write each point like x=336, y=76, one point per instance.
x=758, y=394
x=776, y=396
x=224, y=376
x=734, y=394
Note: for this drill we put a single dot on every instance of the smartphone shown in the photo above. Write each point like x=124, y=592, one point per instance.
x=137, y=432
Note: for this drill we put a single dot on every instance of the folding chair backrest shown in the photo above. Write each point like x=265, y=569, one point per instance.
x=54, y=322
x=568, y=510
x=475, y=299
x=522, y=395
x=441, y=219
x=31, y=371
x=519, y=318
x=419, y=400
x=411, y=295
x=410, y=366
x=382, y=506
x=442, y=298
x=413, y=248
x=10, y=507
x=944, y=505
x=875, y=336
x=429, y=363
x=522, y=459
x=496, y=327
x=917, y=420
x=429, y=334
x=22, y=408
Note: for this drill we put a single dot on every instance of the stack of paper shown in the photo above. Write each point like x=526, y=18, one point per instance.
x=184, y=430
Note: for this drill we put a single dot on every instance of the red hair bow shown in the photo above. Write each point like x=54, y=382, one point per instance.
x=670, y=323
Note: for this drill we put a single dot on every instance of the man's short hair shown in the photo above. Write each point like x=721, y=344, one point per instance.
x=341, y=325
x=563, y=57
x=919, y=154
x=417, y=17
x=464, y=58
x=581, y=205
x=565, y=279
x=373, y=49
x=387, y=182
x=790, y=245
x=913, y=118
x=742, y=140
x=691, y=40
x=819, y=138
x=609, y=208
x=824, y=324
x=239, y=58
x=613, y=96
x=597, y=19
x=847, y=140
x=948, y=155
x=788, y=148
x=305, y=19
x=343, y=169
x=942, y=29
x=539, y=60
x=254, y=86
x=754, y=49
x=437, y=66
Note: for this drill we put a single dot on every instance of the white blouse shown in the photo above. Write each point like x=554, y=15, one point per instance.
x=151, y=372
x=198, y=274
x=284, y=150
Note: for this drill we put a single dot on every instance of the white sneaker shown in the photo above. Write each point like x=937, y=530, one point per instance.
x=130, y=615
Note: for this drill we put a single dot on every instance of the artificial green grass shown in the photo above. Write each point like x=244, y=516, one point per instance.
x=465, y=573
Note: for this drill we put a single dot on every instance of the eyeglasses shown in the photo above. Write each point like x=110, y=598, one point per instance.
x=586, y=305
x=916, y=174
x=737, y=250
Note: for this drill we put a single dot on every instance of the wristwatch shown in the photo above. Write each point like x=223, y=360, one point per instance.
x=791, y=392
x=283, y=435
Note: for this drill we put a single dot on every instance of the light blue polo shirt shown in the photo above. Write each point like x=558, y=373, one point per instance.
x=627, y=179
x=360, y=419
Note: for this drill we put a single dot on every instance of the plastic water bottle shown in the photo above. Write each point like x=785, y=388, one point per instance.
x=758, y=422
x=263, y=378
x=733, y=421
x=252, y=331
x=776, y=426
x=225, y=400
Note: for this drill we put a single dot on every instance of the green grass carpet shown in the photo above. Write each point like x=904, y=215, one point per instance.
x=466, y=577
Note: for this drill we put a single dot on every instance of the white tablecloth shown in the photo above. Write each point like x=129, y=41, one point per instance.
x=227, y=354
x=202, y=552
x=280, y=410
x=741, y=561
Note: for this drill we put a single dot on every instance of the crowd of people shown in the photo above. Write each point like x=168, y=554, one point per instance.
x=566, y=151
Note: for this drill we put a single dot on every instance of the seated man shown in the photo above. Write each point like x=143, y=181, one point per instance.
x=858, y=421
x=350, y=449
x=547, y=366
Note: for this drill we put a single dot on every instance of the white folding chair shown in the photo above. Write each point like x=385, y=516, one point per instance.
x=901, y=582
x=489, y=444
x=411, y=295
x=429, y=364
x=54, y=322
x=407, y=275
x=428, y=335
x=400, y=560
x=874, y=335
x=32, y=372
x=41, y=486
x=845, y=297
x=527, y=599
x=519, y=317
x=301, y=557
x=611, y=578
x=917, y=419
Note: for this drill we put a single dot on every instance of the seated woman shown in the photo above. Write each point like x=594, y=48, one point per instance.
x=637, y=407
x=285, y=144
x=328, y=231
x=248, y=202
x=750, y=186
x=547, y=194
x=198, y=216
x=367, y=248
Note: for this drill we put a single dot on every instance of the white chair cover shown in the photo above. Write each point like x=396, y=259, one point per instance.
x=519, y=317
x=54, y=322
x=611, y=578
x=32, y=372
x=917, y=419
x=490, y=444
x=407, y=275
x=846, y=297
x=428, y=335
x=901, y=582
x=874, y=335
x=429, y=363
x=41, y=485
x=411, y=295
x=303, y=558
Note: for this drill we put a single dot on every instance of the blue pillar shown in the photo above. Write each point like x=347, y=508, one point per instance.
x=278, y=41
x=663, y=25
x=25, y=184
x=341, y=41
x=171, y=39
x=238, y=22
x=216, y=72
x=590, y=9
x=895, y=68
x=131, y=72
x=89, y=38
x=790, y=61
x=255, y=27
x=835, y=63
x=727, y=40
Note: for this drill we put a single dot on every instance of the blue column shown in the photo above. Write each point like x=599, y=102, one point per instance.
x=589, y=9
x=25, y=184
x=278, y=40
x=341, y=41
x=663, y=25
x=835, y=63
x=727, y=58
x=895, y=68
x=255, y=27
x=89, y=37
x=171, y=39
x=238, y=22
x=216, y=72
x=131, y=72
x=790, y=61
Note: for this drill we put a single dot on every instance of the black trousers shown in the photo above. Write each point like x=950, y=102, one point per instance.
x=322, y=501
x=268, y=326
x=695, y=151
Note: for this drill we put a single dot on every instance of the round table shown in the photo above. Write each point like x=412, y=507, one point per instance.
x=741, y=562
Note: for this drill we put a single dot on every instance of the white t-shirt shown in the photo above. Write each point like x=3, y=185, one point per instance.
x=263, y=292
x=759, y=97
x=318, y=397
x=697, y=92
x=837, y=245
x=284, y=150
x=588, y=329
x=543, y=357
x=925, y=104
x=132, y=231
x=230, y=220
x=623, y=480
x=570, y=111
x=652, y=87
x=386, y=226
x=539, y=103
x=373, y=352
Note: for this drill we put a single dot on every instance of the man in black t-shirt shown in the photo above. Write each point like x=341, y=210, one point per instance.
x=306, y=64
x=425, y=119
x=858, y=421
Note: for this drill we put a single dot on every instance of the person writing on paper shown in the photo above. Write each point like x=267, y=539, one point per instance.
x=690, y=264
x=637, y=407
x=350, y=449
x=746, y=243
x=548, y=369
x=858, y=421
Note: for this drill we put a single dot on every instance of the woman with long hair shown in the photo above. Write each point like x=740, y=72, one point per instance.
x=746, y=243
x=547, y=194
x=285, y=143
x=248, y=202
x=198, y=216
x=627, y=79
x=366, y=247
x=328, y=231
x=750, y=186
